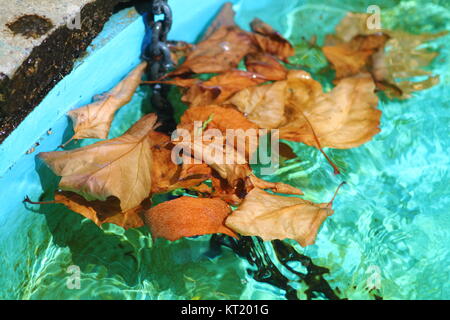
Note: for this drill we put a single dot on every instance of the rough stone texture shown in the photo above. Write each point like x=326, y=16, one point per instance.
x=38, y=47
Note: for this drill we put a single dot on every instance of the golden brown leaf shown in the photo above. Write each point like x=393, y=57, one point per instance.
x=118, y=167
x=270, y=41
x=188, y=217
x=276, y=217
x=94, y=120
x=344, y=118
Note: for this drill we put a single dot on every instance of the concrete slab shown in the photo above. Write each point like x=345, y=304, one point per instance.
x=39, y=43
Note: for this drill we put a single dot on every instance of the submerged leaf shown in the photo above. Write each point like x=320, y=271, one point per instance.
x=402, y=61
x=188, y=217
x=276, y=217
x=94, y=120
x=270, y=41
x=393, y=64
x=351, y=58
x=118, y=167
x=101, y=212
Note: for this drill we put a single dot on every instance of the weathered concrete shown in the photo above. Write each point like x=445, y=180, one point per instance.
x=39, y=42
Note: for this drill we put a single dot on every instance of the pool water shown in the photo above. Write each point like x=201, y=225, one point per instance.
x=388, y=239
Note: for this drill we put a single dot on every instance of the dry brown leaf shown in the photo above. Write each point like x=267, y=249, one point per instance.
x=344, y=118
x=265, y=65
x=94, y=120
x=221, y=52
x=231, y=179
x=225, y=18
x=119, y=167
x=188, y=217
x=270, y=41
x=276, y=217
x=179, y=50
x=263, y=105
x=168, y=176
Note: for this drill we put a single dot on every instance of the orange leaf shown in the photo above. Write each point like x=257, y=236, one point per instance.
x=188, y=217
x=100, y=212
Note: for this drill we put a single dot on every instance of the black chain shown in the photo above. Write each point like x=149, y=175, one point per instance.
x=157, y=53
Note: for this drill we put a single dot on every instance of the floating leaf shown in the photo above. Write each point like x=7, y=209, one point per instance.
x=276, y=217
x=344, y=118
x=264, y=105
x=94, y=120
x=221, y=52
x=188, y=217
x=393, y=65
x=118, y=167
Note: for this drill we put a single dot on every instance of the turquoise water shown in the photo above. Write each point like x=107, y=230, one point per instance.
x=389, y=237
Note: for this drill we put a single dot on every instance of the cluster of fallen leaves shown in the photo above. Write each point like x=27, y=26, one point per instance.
x=233, y=79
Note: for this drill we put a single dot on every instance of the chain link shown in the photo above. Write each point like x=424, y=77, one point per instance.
x=157, y=54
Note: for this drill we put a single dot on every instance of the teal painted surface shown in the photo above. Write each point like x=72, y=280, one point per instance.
x=392, y=216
